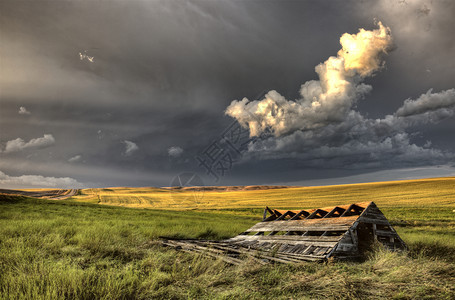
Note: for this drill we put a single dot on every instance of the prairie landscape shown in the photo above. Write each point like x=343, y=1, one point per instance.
x=104, y=244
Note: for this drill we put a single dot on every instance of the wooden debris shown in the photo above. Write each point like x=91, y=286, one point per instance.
x=342, y=232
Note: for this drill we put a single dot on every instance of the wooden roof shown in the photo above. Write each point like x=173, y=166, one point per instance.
x=307, y=234
x=354, y=209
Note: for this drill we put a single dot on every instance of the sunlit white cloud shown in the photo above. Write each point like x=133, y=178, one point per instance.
x=84, y=55
x=23, y=111
x=27, y=181
x=322, y=101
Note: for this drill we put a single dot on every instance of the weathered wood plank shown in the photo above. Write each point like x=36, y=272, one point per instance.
x=284, y=228
x=373, y=221
x=331, y=224
x=385, y=233
x=374, y=216
x=345, y=248
x=290, y=243
x=278, y=256
x=205, y=251
x=286, y=238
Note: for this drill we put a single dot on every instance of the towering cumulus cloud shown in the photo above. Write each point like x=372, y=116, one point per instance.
x=322, y=126
x=322, y=101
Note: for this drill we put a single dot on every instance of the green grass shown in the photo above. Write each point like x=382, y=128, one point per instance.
x=77, y=250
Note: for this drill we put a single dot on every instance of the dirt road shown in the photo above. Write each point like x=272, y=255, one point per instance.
x=43, y=194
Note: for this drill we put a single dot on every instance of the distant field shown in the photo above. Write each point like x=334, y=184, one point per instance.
x=60, y=249
x=413, y=193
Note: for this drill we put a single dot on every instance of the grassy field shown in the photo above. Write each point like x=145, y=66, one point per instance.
x=59, y=249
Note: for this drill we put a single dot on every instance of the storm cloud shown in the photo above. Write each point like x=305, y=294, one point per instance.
x=322, y=102
x=321, y=129
x=95, y=74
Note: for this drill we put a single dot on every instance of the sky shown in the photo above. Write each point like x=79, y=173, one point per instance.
x=150, y=93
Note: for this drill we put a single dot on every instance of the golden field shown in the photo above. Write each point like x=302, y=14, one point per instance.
x=409, y=193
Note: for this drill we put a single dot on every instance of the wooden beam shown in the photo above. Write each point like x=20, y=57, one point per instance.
x=297, y=216
x=271, y=217
x=385, y=232
x=373, y=221
x=374, y=232
x=190, y=247
x=291, y=243
x=299, y=228
x=288, y=213
x=257, y=253
x=333, y=211
x=331, y=224
x=348, y=211
x=321, y=212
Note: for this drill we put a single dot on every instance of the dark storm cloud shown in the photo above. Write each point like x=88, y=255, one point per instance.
x=321, y=129
x=358, y=142
x=164, y=71
x=160, y=51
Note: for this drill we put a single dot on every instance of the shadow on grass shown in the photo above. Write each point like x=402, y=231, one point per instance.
x=207, y=234
x=210, y=234
x=432, y=250
x=11, y=199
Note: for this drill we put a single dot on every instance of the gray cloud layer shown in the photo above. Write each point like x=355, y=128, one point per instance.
x=163, y=72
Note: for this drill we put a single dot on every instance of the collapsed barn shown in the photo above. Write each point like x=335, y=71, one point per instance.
x=341, y=232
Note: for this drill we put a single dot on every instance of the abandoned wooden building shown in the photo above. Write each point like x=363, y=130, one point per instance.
x=344, y=231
